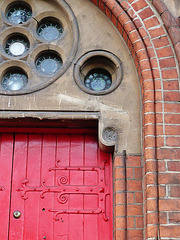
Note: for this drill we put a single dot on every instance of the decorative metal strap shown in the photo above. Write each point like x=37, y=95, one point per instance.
x=64, y=189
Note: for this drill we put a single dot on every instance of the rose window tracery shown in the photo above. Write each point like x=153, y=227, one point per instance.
x=33, y=49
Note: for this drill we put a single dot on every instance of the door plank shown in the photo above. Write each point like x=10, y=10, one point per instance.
x=76, y=178
x=19, y=174
x=48, y=161
x=105, y=230
x=6, y=153
x=31, y=221
x=91, y=178
x=61, y=227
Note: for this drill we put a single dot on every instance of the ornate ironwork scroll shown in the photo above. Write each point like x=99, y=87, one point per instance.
x=64, y=190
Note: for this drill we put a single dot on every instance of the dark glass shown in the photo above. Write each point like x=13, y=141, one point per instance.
x=14, y=80
x=19, y=13
x=50, y=31
x=48, y=63
x=98, y=79
x=16, y=46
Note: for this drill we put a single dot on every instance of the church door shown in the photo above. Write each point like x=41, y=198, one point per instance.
x=55, y=186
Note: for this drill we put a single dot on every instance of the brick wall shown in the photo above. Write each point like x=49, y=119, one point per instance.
x=153, y=39
x=128, y=197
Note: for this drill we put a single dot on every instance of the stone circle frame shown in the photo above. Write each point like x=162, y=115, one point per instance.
x=36, y=80
x=98, y=59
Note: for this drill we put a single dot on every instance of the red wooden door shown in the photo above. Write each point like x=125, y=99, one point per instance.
x=61, y=185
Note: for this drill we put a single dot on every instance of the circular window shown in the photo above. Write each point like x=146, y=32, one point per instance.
x=50, y=30
x=48, y=63
x=19, y=13
x=34, y=52
x=98, y=79
x=14, y=80
x=98, y=72
x=16, y=46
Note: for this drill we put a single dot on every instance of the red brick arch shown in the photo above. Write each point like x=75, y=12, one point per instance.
x=151, y=47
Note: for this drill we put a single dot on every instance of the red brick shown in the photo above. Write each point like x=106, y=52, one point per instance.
x=160, y=141
x=169, y=231
x=146, y=13
x=173, y=141
x=137, y=23
x=120, y=222
x=134, y=185
x=172, y=118
x=163, y=217
x=173, y=165
x=119, y=27
x=175, y=191
x=162, y=191
x=139, y=222
x=117, y=10
x=160, y=6
x=118, y=161
x=168, y=178
x=131, y=13
x=159, y=118
x=161, y=166
x=133, y=210
x=166, y=63
x=139, y=5
x=138, y=172
x=119, y=185
x=172, y=96
x=138, y=197
x=135, y=234
x=130, y=222
x=151, y=192
x=119, y=173
x=123, y=18
x=169, y=73
x=133, y=161
x=172, y=107
x=151, y=178
x=174, y=217
x=130, y=198
x=124, y=5
x=152, y=22
x=161, y=42
x=120, y=198
x=120, y=234
x=151, y=52
x=129, y=173
x=151, y=218
x=169, y=205
x=171, y=85
x=172, y=130
x=108, y=12
x=156, y=32
x=165, y=153
x=150, y=166
x=164, y=52
x=120, y=210
x=168, y=19
x=174, y=34
x=151, y=231
x=151, y=205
